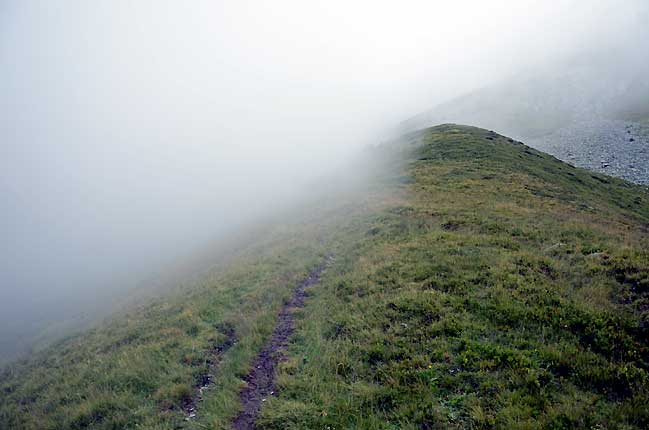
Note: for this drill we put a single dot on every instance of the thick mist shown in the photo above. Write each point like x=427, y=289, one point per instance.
x=133, y=133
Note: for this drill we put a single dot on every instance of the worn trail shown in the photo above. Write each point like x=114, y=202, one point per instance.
x=261, y=378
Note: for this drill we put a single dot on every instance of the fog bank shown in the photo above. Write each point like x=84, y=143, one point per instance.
x=135, y=132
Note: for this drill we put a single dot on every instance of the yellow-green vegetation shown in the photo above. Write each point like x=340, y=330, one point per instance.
x=509, y=291
x=477, y=283
x=136, y=371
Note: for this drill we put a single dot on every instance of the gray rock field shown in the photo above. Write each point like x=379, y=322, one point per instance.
x=613, y=147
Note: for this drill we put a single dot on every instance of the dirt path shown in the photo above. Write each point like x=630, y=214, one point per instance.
x=205, y=380
x=261, y=378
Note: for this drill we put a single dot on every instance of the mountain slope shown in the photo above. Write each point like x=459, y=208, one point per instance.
x=476, y=283
x=510, y=290
x=541, y=101
x=591, y=114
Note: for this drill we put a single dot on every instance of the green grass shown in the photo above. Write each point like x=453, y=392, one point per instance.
x=138, y=368
x=477, y=284
x=509, y=290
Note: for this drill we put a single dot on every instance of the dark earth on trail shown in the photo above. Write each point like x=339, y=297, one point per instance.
x=260, y=382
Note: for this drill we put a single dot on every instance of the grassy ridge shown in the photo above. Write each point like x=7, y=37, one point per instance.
x=508, y=291
x=477, y=284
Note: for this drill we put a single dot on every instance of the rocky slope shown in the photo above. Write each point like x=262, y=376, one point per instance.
x=613, y=147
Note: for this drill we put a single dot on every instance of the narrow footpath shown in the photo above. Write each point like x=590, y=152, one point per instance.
x=261, y=378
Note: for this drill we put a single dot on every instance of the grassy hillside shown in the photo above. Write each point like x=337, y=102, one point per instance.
x=477, y=283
